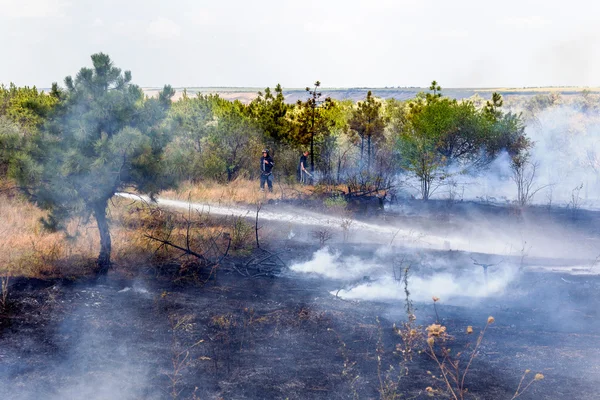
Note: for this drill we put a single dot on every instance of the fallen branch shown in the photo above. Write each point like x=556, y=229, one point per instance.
x=187, y=251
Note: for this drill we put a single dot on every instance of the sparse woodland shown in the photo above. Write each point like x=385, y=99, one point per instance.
x=69, y=150
x=66, y=153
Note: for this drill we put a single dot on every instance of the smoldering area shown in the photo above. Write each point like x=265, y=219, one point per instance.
x=126, y=338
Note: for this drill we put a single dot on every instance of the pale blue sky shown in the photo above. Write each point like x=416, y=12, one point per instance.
x=375, y=43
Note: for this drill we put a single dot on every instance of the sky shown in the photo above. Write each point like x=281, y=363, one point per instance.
x=342, y=43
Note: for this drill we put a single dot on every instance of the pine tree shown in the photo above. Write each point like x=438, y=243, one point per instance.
x=103, y=137
x=310, y=120
x=368, y=122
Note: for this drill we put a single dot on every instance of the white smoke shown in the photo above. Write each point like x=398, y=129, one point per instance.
x=334, y=266
x=567, y=153
x=374, y=278
x=98, y=359
x=442, y=285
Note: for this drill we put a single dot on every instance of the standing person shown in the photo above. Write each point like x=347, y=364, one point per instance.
x=302, y=172
x=266, y=166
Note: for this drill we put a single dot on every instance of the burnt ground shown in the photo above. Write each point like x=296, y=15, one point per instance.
x=284, y=337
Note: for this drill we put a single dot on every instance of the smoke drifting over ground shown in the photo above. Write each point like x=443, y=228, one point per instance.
x=99, y=353
x=566, y=153
x=380, y=277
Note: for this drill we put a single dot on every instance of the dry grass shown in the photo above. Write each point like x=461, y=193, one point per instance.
x=27, y=250
x=239, y=191
x=246, y=191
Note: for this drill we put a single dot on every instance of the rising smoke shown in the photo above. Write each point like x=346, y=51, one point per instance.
x=566, y=153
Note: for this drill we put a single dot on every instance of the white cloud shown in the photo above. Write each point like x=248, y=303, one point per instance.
x=163, y=28
x=17, y=9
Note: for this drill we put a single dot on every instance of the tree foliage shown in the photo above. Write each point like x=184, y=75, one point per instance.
x=211, y=138
x=272, y=115
x=105, y=136
x=311, y=122
x=368, y=122
x=25, y=106
x=441, y=134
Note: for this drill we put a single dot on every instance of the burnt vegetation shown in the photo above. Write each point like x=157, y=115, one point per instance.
x=139, y=300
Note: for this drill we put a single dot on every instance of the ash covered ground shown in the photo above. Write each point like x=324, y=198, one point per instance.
x=322, y=326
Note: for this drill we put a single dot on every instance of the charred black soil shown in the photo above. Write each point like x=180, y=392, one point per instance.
x=285, y=337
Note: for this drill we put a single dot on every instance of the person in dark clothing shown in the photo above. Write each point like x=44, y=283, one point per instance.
x=303, y=174
x=266, y=167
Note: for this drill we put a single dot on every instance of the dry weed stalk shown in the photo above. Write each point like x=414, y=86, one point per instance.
x=410, y=333
x=256, y=227
x=389, y=382
x=519, y=391
x=322, y=235
x=348, y=369
x=180, y=355
x=452, y=375
x=575, y=202
x=524, y=252
x=346, y=226
x=435, y=300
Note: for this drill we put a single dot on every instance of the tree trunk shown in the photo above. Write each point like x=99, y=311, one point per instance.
x=312, y=153
x=105, y=241
x=362, y=148
x=369, y=153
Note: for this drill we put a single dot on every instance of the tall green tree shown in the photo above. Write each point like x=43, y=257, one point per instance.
x=212, y=138
x=104, y=136
x=272, y=115
x=190, y=121
x=332, y=147
x=368, y=122
x=311, y=121
x=440, y=132
x=232, y=136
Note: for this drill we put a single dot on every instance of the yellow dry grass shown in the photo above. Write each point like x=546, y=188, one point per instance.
x=239, y=191
x=28, y=250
